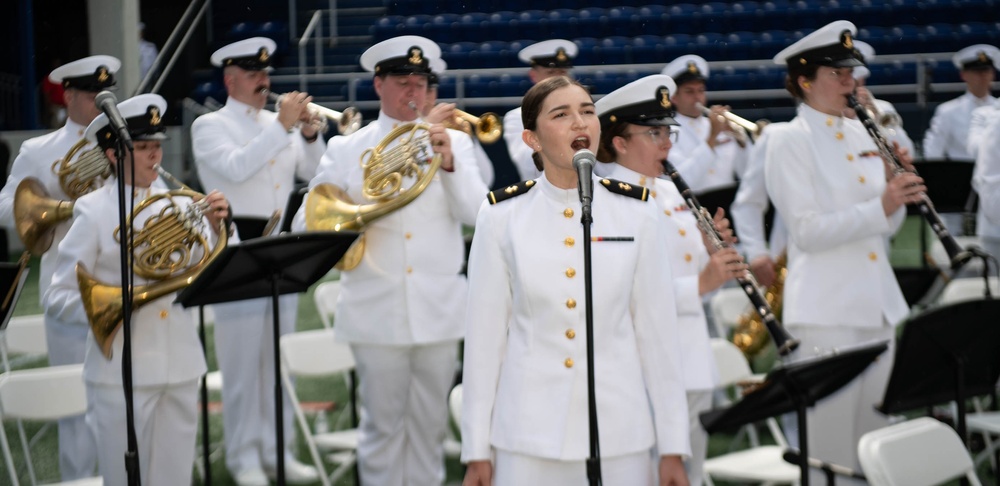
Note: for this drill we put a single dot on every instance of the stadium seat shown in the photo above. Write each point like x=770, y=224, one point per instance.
x=243, y=30
x=648, y=48
x=417, y=24
x=594, y=21
x=473, y=27
x=502, y=25
x=533, y=24
x=651, y=20
x=444, y=27
x=682, y=19
x=587, y=47
x=675, y=45
x=710, y=45
x=388, y=27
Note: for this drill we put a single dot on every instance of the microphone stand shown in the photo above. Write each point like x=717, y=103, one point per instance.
x=131, y=453
x=594, y=461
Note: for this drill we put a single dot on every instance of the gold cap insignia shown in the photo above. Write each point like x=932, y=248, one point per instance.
x=107, y=135
x=416, y=55
x=102, y=74
x=802, y=61
x=692, y=67
x=561, y=54
x=845, y=38
x=154, y=116
x=262, y=56
x=982, y=57
x=613, y=118
x=664, y=93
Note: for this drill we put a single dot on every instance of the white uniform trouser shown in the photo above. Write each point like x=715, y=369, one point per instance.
x=166, y=423
x=77, y=449
x=244, y=348
x=513, y=469
x=404, y=411
x=698, y=402
x=837, y=422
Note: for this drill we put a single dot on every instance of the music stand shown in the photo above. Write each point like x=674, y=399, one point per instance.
x=794, y=388
x=265, y=267
x=946, y=353
x=949, y=183
x=250, y=227
x=292, y=206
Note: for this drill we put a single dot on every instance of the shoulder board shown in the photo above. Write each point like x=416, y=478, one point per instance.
x=510, y=191
x=625, y=189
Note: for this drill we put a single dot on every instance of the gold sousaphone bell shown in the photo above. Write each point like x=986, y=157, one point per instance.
x=329, y=208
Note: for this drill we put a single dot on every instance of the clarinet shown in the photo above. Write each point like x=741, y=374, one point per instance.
x=784, y=342
x=956, y=253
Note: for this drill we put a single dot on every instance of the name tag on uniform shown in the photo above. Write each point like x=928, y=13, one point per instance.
x=612, y=238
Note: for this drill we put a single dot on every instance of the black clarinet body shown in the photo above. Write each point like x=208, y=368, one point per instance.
x=956, y=253
x=783, y=341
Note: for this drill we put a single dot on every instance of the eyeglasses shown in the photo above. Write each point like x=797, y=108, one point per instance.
x=841, y=73
x=657, y=135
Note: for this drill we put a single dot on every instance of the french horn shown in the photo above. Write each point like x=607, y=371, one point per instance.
x=37, y=213
x=164, y=251
x=385, y=166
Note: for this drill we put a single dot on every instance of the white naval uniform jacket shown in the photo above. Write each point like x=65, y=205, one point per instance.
x=35, y=159
x=165, y=346
x=525, y=374
x=979, y=123
x=247, y=154
x=986, y=181
x=520, y=152
x=688, y=257
x=408, y=288
x=949, y=130
x=751, y=204
x=701, y=166
x=826, y=179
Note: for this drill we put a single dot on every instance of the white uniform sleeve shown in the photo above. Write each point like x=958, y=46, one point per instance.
x=62, y=299
x=520, y=153
x=986, y=176
x=692, y=160
x=751, y=203
x=464, y=186
x=18, y=171
x=487, y=315
x=934, y=138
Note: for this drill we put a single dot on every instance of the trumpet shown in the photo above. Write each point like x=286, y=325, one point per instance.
x=487, y=127
x=743, y=130
x=348, y=121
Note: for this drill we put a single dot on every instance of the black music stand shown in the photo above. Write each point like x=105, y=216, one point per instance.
x=265, y=267
x=794, y=388
x=250, y=227
x=950, y=352
x=292, y=206
x=949, y=183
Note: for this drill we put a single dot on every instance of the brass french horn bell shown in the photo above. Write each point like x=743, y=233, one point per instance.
x=36, y=215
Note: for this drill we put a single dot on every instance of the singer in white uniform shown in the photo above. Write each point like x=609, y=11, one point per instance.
x=524, y=410
x=948, y=134
x=633, y=148
x=547, y=59
x=167, y=359
x=827, y=180
x=401, y=308
x=66, y=340
x=707, y=153
x=254, y=156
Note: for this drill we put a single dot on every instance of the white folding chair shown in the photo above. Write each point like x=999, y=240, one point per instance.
x=967, y=288
x=315, y=353
x=47, y=394
x=918, y=452
x=25, y=335
x=727, y=305
x=758, y=464
x=325, y=297
x=940, y=256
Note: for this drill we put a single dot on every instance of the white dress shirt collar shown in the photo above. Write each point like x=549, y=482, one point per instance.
x=243, y=108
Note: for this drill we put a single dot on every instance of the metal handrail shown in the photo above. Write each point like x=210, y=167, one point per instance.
x=316, y=25
x=185, y=21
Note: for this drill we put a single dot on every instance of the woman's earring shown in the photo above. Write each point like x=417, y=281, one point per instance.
x=806, y=84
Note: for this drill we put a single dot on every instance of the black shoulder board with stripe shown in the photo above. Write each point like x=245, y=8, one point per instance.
x=510, y=191
x=626, y=189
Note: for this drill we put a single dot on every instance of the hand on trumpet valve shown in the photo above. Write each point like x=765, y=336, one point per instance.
x=441, y=144
x=903, y=188
x=441, y=113
x=718, y=119
x=293, y=107
x=215, y=207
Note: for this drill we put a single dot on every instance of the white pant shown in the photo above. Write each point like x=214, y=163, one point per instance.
x=516, y=469
x=837, y=422
x=698, y=402
x=244, y=348
x=166, y=423
x=77, y=448
x=404, y=411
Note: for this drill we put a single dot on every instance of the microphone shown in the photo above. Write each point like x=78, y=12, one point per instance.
x=583, y=162
x=108, y=103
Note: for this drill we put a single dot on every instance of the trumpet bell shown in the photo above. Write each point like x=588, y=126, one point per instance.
x=36, y=215
x=487, y=128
